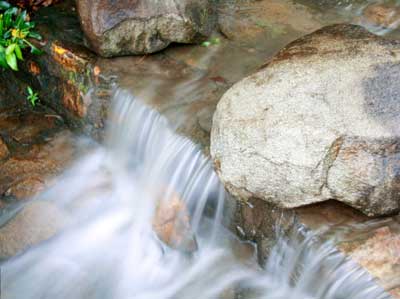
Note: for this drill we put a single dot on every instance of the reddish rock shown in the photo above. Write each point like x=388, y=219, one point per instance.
x=33, y=67
x=73, y=99
x=171, y=223
x=71, y=58
x=378, y=251
x=3, y=149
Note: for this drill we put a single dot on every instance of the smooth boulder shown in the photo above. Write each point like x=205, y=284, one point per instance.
x=319, y=121
x=125, y=27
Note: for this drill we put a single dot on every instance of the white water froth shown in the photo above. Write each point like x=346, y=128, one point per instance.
x=109, y=248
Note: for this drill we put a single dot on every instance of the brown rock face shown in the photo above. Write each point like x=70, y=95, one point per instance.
x=137, y=27
x=3, y=149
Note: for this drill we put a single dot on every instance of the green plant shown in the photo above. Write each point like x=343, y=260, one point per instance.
x=213, y=41
x=15, y=29
x=32, y=96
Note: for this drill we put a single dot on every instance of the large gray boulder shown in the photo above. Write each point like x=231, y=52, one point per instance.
x=320, y=121
x=127, y=27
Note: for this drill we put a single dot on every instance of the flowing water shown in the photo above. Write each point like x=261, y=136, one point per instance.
x=115, y=246
x=144, y=210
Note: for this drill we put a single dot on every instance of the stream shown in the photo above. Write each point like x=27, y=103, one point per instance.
x=109, y=248
x=143, y=215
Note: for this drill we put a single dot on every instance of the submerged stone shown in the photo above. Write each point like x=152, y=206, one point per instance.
x=171, y=223
x=36, y=222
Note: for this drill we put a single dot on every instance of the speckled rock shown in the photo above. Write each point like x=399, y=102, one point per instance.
x=318, y=122
x=126, y=27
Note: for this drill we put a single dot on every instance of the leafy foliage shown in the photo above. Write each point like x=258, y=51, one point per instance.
x=15, y=29
x=32, y=96
x=212, y=42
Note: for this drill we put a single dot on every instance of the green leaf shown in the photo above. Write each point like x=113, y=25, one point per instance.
x=4, y=5
x=10, y=49
x=8, y=16
x=35, y=35
x=3, y=61
x=30, y=91
x=29, y=25
x=12, y=61
x=215, y=41
x=7, y=35
x=18, y=52
x=35, y=50
x=1, y=26
x=20, y=19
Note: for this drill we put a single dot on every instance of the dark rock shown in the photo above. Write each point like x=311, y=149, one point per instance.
x=115, y=28
x=66, y=75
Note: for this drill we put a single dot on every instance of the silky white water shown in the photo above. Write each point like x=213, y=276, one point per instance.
x=109, y=248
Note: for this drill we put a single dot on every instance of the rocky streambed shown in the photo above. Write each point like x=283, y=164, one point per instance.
x=305, y=119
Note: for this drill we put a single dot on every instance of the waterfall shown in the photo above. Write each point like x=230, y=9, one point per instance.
x=144, y=213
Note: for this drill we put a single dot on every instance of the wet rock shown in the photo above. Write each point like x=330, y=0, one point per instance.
x=3, y=149
x=139, y=27
x=25, y=188
x=36, y=222
x=373, y=244
x=318, y=122
x=377, y=250
x=171, y=223
x=65, y=76
x=25, y=174
x=382, y=15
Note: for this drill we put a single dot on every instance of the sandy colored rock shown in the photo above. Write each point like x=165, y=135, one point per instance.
x=318, y=122
x=24, y=175
x=38, y=221
x=25, y=188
